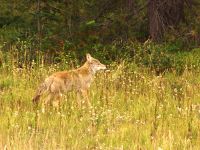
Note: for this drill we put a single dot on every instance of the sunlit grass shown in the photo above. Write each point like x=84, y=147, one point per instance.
x=132, y=108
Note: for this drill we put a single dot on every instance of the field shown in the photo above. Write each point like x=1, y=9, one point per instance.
x=132, y=108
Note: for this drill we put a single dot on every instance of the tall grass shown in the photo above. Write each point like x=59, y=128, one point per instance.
x=132, y=108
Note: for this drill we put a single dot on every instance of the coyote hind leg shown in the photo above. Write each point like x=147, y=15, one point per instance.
x=48, y=99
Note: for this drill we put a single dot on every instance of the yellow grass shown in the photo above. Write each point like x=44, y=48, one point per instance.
x=131, y=109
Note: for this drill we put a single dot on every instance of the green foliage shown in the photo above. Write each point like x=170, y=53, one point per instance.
x=6, y=83
x=157, y=57
x=57, y=26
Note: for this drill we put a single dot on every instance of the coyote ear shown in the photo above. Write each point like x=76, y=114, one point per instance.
x=89, y=57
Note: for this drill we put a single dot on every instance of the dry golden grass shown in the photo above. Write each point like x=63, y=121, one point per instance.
x=131, y=109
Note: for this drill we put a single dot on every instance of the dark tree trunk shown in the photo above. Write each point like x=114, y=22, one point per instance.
x=156, y=25
x=164, y=13
x=130, y=5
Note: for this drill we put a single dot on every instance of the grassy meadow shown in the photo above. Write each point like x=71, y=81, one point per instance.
x=132, y=109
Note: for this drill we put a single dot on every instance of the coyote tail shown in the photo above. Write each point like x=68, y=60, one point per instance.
x=42, y=88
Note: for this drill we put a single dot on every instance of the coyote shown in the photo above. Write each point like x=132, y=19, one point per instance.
x=78, y=79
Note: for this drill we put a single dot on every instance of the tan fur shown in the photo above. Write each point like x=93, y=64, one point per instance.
x=64, y=81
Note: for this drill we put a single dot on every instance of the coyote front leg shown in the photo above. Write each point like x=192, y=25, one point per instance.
x=85, y=97
x=79, y=101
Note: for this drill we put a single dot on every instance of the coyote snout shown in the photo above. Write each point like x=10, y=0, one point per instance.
x=78, y=80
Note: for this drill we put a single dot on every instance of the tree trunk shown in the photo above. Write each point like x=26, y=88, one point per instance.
x=163, y=13
x=156, y=25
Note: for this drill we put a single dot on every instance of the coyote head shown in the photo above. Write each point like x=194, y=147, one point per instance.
x=95, y=64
